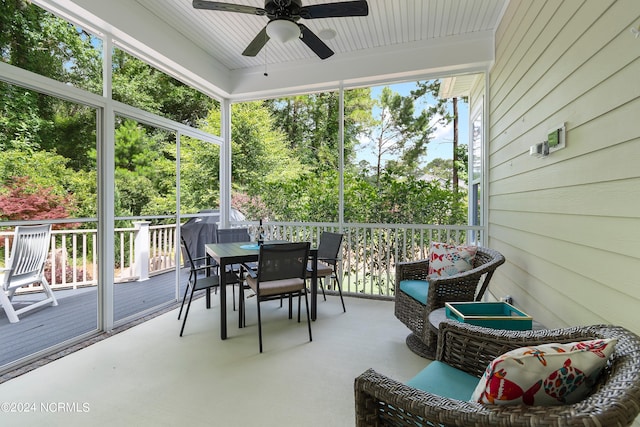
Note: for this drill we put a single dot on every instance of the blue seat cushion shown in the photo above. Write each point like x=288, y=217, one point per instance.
x=443, y=380
x=416, y=289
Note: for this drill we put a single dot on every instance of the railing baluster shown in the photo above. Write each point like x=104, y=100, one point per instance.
x=121, y=258
x=74, y=259
x=94, y=250
x=53, y=260
x=84, y=258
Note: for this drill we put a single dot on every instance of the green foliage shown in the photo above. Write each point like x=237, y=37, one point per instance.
x=49, y=170
x=35, y=40
x=140, y=85
x=311, y=124
x=323, y=196
x=285, y=152
x=402, y=131
x=407, y=201
x=134, y=149
x=361, y=197
x=72, y=134
x=145, y=170
x=20, y=120
x=443, y=168
x=199, y=175
x=44, y=168
x=84, y=187
x=462, y=162
x=394, y=192
x=264, y=166
x=21, y=199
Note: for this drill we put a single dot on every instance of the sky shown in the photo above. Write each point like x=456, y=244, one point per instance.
x=441, y=145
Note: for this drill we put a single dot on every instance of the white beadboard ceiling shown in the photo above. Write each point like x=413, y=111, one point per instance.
x=399, y=39
x=224, y=35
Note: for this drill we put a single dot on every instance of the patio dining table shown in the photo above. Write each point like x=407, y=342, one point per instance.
x=242, y=252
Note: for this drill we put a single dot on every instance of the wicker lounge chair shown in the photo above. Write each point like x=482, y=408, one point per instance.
x=467, y=286
x=382, y=401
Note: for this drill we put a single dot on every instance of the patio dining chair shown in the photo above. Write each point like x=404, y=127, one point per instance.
x=328, y=258
x=228, y=235
x=234, y=272
x=281, y=273
x=29, y=252
x=197, y=281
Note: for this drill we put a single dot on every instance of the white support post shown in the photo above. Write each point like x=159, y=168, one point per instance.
x=225, y=163
x=141, y=255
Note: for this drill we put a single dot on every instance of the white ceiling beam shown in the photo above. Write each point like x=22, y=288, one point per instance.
x=438, y=57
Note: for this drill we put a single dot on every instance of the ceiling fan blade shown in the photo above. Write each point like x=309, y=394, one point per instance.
x=257, y=43
x=227, y=7
x=335, y=10
x=314, y=43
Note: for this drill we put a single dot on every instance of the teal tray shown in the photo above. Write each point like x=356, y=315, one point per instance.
x=497, y=315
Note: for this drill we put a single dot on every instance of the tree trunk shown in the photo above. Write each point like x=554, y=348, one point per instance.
x=455, y=145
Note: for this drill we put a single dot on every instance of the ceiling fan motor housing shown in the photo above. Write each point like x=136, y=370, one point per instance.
x=283, y=9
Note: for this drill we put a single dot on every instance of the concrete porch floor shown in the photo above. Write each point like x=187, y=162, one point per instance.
x=148, y=376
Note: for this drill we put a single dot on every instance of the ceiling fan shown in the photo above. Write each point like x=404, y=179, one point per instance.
x=283, y=20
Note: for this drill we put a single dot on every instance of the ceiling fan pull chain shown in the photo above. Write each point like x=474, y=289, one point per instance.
x=265, y=61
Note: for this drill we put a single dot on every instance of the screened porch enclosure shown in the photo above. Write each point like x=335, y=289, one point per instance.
x=539, y=210
x=155, y=164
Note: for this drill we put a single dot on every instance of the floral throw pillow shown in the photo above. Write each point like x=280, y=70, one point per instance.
x=544, y=375
x=446, y=260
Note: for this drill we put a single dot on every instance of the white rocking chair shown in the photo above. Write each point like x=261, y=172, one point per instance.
x=26, y=266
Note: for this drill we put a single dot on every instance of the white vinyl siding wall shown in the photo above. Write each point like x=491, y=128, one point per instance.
x=568, y=224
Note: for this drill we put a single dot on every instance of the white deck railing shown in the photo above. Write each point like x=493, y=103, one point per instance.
x=71, y=262
x=369, y=251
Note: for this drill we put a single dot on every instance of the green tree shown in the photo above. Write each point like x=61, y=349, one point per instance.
x=37, y=41
x=264, y=165
x=443, y=168
x=32, y=123
x=138, y=84
x=145, y=170
x=47, y=170
x=134, y=192
x=440, y=107
x=361, y=197
x=199, y=172
x=402, y=132
x=311, y=124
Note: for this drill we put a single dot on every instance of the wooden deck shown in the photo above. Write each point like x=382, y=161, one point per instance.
x=76, y=314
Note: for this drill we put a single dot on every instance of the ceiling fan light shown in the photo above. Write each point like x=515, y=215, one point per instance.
x=283, y=30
